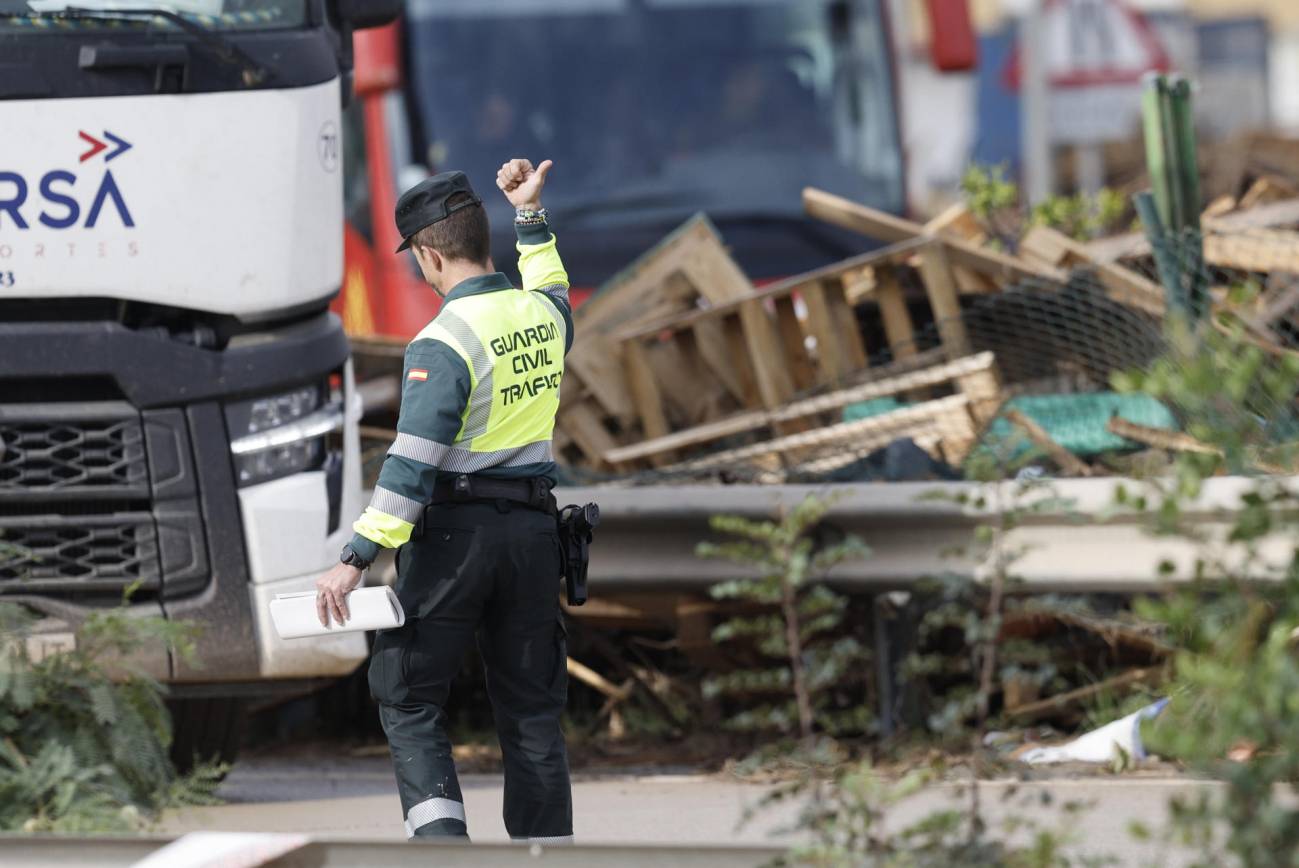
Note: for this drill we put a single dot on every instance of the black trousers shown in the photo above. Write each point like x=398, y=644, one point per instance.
x=491, y=571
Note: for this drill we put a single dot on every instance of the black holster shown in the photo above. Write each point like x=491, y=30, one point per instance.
x=577, y=526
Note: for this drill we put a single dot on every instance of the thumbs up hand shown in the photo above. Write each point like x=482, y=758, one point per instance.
x=521, y=182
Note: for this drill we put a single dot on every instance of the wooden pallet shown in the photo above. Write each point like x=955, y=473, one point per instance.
x=598, y=409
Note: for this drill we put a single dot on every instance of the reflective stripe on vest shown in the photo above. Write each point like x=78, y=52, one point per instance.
x=513, y=344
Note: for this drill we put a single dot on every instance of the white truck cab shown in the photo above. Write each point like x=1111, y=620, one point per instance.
x=177, y=410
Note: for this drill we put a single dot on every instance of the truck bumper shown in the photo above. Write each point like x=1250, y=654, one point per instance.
x=169, y=512
x=312, y=657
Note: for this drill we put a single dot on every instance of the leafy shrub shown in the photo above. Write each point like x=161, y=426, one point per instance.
x=797, y=622
x=84, y=732
x=1234, y=714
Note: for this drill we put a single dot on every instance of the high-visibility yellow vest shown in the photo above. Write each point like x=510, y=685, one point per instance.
x=513, y=344
x=480, y=390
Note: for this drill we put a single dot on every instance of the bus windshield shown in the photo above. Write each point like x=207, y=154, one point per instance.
x=213, y=14
x=655, y=109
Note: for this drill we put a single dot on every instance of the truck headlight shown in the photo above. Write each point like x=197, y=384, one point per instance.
x=283, y=434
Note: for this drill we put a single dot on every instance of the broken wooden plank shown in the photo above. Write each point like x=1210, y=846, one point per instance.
x=709, y=338
x=1135, y=244
x=1266, y=190
x=1219, y=207
x=1035, y=623
x=763, y=342
x=863, y=219
x=877, y=430
x=801, y=368
x=807, y=407
x=1071, y=699
x=599, y=367
x=832, y=358
x=676, y=362
x=1268, y=216
x=733, y=334
x=899, y=330
x=1160, y=438
x=956, y=221
x=644, y=390
x=957, y=432
x=1121, y=284
x=1064, y=459
x=874, y=223
x=983, y=387
x=582, y=422
x=890, y=255
x=1048, y=246
x=1264, y=250
x=1177, y=441
x=597, y=682
x=688, y=264
x=631, y=296
x=940, y=288
x=851, y=343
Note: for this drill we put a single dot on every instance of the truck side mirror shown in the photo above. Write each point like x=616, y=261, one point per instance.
x=361, y=14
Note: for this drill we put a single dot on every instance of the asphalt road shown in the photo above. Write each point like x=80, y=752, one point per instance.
x=356, y=798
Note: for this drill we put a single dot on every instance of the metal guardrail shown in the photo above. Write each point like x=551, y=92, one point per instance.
x=50, y=851
x=647, y=535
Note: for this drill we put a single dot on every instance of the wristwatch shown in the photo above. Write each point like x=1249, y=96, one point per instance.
x=352, y=558
x=528, y=215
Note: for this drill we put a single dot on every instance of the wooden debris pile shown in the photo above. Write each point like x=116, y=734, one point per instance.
x=681, y=355
x=685, y=368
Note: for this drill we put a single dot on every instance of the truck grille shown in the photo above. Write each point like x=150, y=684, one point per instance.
x=71, y=454
x=96, y=497
x=81, y=553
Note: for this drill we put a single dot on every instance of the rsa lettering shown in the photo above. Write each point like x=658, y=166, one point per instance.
x=59, y=208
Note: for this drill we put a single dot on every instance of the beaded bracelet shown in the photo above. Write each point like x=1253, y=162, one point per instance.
x=527, y=215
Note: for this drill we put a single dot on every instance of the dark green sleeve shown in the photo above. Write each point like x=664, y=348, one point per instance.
x=435, y=392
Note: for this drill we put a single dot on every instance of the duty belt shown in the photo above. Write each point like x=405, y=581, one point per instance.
x=533, y=492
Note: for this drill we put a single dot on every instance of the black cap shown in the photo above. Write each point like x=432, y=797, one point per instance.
x=426, y=203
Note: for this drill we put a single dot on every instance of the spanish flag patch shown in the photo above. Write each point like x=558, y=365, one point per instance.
x=417, y=374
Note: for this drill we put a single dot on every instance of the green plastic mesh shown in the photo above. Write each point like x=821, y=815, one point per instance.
x=1078, y=422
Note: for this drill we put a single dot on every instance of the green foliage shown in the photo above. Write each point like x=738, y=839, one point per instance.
x=842, y=820
x=987, y=190
x=843, y=800
x=84, y=733
x=1236, y=687
x=995, y=200
x=1081, y=216
x=1230, y=393
x=795, y=628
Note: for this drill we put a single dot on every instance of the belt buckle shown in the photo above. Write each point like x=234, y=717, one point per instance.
x=462, y=488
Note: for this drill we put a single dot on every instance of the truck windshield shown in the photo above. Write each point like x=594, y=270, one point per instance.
x=32, y=15
x=655, y=109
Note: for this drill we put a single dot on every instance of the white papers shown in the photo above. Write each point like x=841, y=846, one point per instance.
x=377, y=608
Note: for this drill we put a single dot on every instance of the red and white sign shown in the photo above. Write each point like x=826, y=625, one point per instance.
x=1095, y=43
x=1095, y=53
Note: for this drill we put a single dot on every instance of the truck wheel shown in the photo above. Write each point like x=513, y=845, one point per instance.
x=206, y=730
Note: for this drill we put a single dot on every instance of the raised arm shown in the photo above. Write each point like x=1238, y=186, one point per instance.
x=539, y=263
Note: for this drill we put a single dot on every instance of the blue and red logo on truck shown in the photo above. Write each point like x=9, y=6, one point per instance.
x=55, y=201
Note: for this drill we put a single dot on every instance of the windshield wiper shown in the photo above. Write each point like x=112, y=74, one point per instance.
x=253, y=72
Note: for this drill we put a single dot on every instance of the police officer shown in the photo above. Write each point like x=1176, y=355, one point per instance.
x=464, y=496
